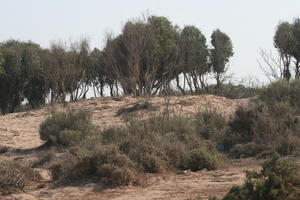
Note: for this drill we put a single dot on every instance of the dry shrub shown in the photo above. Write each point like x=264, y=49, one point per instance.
x=14, y=177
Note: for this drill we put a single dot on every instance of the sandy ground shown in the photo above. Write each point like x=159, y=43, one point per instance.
x=20, y=131
x=190, y=186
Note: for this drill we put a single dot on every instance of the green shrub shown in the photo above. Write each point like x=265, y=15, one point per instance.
x=66, y=128
x=203, y=158
x=278, y=180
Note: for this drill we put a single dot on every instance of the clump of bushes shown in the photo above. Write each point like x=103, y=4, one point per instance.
x=66, y=128
x=278, y=180
x=119, y=155
x=14, y=177
x=284, y=92
x=257, y=130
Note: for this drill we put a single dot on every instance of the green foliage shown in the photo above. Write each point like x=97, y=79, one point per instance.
x=66, y=128
x=278, y=180
x=21, y=75
x=203, y=158
x=194, y=55
x=220, y=54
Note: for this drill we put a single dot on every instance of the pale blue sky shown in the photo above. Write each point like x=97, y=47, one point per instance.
x=250, y=24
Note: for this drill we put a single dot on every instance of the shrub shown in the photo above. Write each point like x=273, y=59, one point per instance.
x=105, y=162
x=278, y=180
x=282, y=91
x=66, y=128
x=203, y=158
x=211, y=125
x=256, y=128
x=14, y=177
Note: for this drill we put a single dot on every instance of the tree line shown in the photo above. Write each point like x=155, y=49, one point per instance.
x=147, y=58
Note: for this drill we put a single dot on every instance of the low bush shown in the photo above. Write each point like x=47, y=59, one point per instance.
x=278, y=180
x=203, y=158
x=14, y=177
x=66, y=128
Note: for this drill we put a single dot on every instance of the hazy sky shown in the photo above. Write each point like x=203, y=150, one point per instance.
x=250, y=24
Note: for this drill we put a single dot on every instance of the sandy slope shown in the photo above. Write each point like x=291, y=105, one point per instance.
x=20, y=130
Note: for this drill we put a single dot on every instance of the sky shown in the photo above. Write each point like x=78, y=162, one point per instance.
x=249, y=24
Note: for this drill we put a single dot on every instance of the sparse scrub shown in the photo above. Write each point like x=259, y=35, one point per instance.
x=119, y=155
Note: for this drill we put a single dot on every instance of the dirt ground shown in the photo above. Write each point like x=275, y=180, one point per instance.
x=20, y=131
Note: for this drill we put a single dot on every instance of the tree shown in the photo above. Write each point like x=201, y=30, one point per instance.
x=220, y=54
x=165, y=52
x=77, y=82
x=296, y=46
x=194, y=56
x=97, y=73
x=283, y=41
x=20, y=75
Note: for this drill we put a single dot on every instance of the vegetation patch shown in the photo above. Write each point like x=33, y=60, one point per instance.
x=120, y=155
x=66, y=128
x=14, y=177
x=279, y=179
